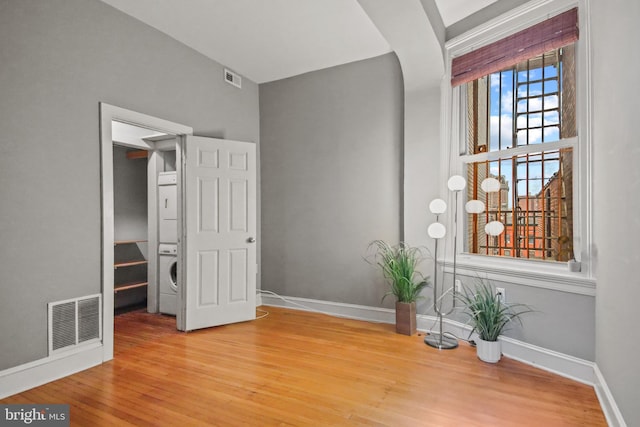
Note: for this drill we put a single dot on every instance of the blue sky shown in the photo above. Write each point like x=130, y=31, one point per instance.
x=501, y=118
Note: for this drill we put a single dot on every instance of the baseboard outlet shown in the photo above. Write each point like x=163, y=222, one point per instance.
x=609, y=407
x=24, y=377
x=548, y=360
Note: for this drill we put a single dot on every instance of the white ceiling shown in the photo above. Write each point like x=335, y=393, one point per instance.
x=270, y=40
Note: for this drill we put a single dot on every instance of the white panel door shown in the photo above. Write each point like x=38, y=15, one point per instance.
x=218, y=246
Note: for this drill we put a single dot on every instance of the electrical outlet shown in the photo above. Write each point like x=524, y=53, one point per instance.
x=458, y=286
x=501, y=294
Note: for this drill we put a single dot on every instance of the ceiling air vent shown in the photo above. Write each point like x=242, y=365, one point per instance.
x=232, y=78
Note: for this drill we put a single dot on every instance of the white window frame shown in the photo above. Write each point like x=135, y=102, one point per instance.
x=537, y=273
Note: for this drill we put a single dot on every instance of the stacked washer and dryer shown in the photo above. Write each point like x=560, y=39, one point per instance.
x=168, y=242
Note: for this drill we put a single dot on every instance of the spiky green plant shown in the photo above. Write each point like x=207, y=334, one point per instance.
x=488, y=315
x=398, y=264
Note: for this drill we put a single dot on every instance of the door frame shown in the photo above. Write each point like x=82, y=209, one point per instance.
x=109, y=113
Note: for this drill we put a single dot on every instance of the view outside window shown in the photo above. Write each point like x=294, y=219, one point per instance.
x=514, y=117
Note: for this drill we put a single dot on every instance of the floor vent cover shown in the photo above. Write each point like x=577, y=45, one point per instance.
x=74, y=322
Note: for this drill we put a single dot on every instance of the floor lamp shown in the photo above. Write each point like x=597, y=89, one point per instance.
x=437, y=231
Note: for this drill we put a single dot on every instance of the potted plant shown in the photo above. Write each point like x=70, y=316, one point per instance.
x=489, y=317
x=398, y=264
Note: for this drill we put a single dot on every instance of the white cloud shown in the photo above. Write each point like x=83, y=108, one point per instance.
x=534, y=120
x=522, y=91
x=505, y=125
x=551, y=101
x=535, y=136
x=507, y=102
x=551, y=134
x=494, y=80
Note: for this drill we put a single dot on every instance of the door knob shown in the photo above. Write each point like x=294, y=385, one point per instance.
x=251, y=240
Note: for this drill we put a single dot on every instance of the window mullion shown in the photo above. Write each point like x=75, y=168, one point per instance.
x=519, y=151
x=542, y=202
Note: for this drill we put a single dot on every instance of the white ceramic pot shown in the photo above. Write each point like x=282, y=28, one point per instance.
x=489, y=351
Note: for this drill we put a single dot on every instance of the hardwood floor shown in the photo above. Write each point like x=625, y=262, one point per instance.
x=295, y=368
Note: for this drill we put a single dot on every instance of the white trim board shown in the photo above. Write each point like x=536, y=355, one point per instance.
x=33, y=374
x=538, y=274
x=561, y=364
x=109, y=113
x=609, y=407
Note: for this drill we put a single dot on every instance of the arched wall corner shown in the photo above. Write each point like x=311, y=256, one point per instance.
x=415, y=32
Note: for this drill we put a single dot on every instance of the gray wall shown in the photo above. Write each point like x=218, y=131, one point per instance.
x=561, y=321
x=330, y=185
x=617, y=185
x=60, y=58
x=129, y=196
x=331, y=159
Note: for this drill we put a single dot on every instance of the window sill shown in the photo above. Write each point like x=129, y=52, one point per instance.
x=539, y=274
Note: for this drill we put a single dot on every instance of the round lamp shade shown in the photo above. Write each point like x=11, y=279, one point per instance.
x=494, y=228
x=490, y=185
x=456, y=183
x=436, y=230
x=437, y=206
x=474, y=206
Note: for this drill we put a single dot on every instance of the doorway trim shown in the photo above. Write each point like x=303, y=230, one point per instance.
x=109, y=113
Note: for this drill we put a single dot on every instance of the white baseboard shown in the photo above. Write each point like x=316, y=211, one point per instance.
x=558, y=363
x=549, y=360
x=24, y=377
x=351, y=311
x=609, y=407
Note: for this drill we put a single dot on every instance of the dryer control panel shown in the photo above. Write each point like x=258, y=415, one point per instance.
x=167, y=249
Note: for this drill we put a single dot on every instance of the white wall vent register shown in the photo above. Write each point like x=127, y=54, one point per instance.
x=232, y=78
x=74, y=322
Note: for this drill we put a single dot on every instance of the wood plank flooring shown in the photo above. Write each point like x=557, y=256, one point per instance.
x=294, y=368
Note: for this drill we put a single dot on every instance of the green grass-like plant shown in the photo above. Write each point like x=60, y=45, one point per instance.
x=488, y=315
x=398, y=264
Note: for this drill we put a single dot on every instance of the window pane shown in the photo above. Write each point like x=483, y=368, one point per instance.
x=550, y=71
x=550, y=168
x=535, y=104
x=535, y=89
x=522, y=137
x=551, y=101
x=535, y=136
x=551, y=118
x=535, y=120
x=535, y=200
x=550, y=86
x=522, y=76
x=522, y=106
x=538, y=219
x=551, y=134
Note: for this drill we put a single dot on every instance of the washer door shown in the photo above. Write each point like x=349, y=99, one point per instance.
x=173, y=276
